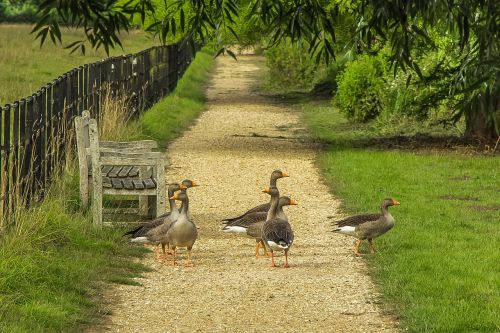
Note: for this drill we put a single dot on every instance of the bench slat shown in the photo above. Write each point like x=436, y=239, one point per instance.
x=117, y=183
x=138, y=185
x=124, y=172
x=128, y=184
x=106, y=182
x=149, y=183
x=115, y=171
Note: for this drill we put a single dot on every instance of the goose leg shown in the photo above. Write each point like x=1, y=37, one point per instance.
x=157, y=252
x=372, y=248
x=163, y=251
x=273, y=264
x=286, y=260
x=260, y=244
x=356, y=247
x=257, y=248
x=188, y=262
x=174, y=253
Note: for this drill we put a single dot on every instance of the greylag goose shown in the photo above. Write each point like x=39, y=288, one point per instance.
x=182, y=232
x=142, y=233
x=277, y=233
x=367, y=226
x=250, y=225
x=275, y=175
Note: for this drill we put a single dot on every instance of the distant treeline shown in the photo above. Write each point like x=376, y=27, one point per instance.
x=13, y=11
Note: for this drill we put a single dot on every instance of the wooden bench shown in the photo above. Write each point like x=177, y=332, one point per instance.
x=119, y=168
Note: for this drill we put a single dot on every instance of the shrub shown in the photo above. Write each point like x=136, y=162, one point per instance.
x=360, y=88
x=290, y=67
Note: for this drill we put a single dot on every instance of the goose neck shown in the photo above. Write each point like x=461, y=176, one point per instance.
x=271, y=214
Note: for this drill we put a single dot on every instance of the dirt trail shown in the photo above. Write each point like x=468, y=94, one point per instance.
x=231, y=151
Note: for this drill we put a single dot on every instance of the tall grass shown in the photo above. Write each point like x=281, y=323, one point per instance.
x=25, y=67
x=438, y=267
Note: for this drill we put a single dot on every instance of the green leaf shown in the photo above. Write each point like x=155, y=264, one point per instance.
x=231, y=54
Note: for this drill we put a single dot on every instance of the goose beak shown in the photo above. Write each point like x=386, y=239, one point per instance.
x=293, y=202
x=394, y=202
x=174, y=197
x=265, y=190
x=194, y=183
x=285, y=174
x=182, y=186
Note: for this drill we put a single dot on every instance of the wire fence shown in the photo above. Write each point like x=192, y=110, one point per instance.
x=36, y=131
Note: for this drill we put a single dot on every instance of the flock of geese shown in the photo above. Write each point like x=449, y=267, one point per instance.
x=266, y=223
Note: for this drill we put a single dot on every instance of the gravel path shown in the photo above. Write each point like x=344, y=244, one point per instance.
x=231, y=151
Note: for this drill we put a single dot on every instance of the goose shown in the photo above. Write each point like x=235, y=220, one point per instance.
x=145, y=232
x=275, y=175
x=182, y=232
x=277, y=233
x=250, y=225
x=367, y=226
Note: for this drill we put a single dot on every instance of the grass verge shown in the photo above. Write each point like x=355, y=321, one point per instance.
x=174, y=113
x=53, y=262
x=438, y=267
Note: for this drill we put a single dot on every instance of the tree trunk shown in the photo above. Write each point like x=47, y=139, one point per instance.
x=484, y=122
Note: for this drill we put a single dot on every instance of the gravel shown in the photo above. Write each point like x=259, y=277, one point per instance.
x=231, y=151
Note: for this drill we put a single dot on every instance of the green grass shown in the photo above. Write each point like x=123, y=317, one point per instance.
x=53, y=263
x=173, y=114
x=439, y=266
x=25, y=67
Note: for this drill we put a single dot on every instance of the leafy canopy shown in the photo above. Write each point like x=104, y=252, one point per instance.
x=405, y=25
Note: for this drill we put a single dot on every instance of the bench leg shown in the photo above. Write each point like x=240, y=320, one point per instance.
x=160, y=204
x=97, y=208
x=144, y=206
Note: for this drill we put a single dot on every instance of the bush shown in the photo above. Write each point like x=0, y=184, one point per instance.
x=290, y=67
x=360, y=89
x=18, y=13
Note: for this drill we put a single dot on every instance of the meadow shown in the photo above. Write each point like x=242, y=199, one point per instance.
x=54, y=263
x=25, y=66
x=438, y=268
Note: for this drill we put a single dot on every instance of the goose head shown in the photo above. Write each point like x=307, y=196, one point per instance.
x=287, y=201
x=189, y=183
x=279, y=174
x=389, y=202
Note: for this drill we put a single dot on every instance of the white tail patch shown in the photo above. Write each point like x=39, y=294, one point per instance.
x=346, y=230
x=235, y=229
x=139, y=240
x=276, y=247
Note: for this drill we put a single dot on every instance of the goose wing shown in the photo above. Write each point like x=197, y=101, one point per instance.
x=144, y=228
x=356, y=220
x=260, y=208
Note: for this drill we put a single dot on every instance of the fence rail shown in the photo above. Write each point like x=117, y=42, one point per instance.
x=36, y=131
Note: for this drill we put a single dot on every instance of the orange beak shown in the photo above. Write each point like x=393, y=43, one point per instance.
x=285, y=174
x=174, y=197
x=293, y=202
x=182, y=186
x=194, y=183
x=266, y=190
x=394, y=202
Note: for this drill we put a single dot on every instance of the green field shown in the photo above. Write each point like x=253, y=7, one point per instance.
x=25, y=67
x=438, y=267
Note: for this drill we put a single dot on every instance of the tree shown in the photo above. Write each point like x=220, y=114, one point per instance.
x=404, y=24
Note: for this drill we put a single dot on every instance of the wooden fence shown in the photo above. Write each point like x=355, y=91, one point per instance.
x=36, y=131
